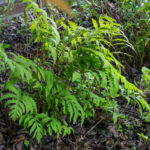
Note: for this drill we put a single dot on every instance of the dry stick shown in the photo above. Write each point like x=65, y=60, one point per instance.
x=93, y=127
x=39, y=44
x=40, y=4
x=38, y=95
x=83, y=137
x=26, y=26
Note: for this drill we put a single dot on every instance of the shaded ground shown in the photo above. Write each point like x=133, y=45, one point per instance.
x=98, y=133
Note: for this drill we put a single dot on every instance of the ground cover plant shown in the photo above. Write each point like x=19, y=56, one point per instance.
x=130, y=11
x=73, y=74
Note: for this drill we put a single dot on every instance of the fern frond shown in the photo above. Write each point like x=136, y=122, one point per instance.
x=103, y=79
x=8, y=96
x=96, y=77
x=70, y=109
x=111, y=86
x=49, y=82
x=10, y=86
x=33, y=122
x=76, y=108
x=18, y=103
x=66, y=129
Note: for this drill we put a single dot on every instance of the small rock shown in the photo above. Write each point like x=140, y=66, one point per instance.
x=1, y=147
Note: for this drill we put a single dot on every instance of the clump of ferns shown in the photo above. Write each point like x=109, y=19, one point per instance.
x=51, y=99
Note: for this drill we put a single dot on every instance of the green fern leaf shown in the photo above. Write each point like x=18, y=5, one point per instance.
x=104, y=79
x=97, y=77
x=76, y=114
x=29, y=123
x=50, y=130
x=39, y=131
x=8, y=95
x=95, y=24
x=56, y=126
x=64, y=107
x=45, y=120
x=70, y=109
x=76, y=77
x=33, y=121
x=26, y=120
x=9, y=86
x=73, y=25
x=29, y=104
x=49, y=82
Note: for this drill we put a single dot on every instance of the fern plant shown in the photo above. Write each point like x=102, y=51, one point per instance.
x=136, y=16
x=76, y=74
x=89, y=53
x=146, y=77
x=24, y=105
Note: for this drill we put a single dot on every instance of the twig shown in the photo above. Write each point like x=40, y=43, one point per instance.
x=93, y=127
x=83, y=137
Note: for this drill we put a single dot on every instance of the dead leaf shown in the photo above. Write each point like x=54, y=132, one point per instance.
x=113, y=130
x=109, y=142
x=19, y=145
x=125, y=148
x=123, y=136
x=32, y=148
x=111, y=5
x=18, y=139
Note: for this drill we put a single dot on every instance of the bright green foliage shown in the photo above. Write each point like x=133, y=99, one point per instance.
x=90, y=55
x=3, y=57
x=56, y=101
x=144, y=137
x=136, y=16
x=78, y=73
x=145, y=78
x=44, y=30
x=19, y=103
